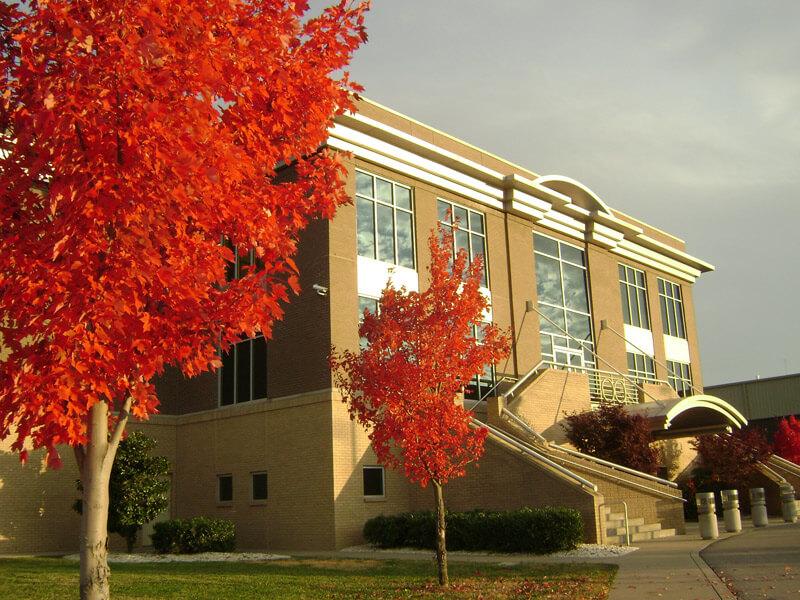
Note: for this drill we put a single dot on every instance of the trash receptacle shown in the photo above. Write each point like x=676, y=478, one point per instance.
x=730, y=509
x=707, y=516
x=758, y=507
x=788, y=504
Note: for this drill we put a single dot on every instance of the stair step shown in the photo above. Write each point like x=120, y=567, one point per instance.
x=621, y=522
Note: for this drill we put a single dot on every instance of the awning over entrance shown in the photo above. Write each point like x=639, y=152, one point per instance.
x=686, y=417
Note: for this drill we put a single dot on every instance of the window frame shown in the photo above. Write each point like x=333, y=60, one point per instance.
x=376, y=204
x=364, y=470
x=253, y=476
x=631, y=291
x=640, y=370
x=670, y=297
x=680, y=372
x=467, y=228
x=257, y=349
x=220, y=478
x=570, y=349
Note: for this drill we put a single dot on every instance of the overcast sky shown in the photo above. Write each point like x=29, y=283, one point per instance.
x=684, y=114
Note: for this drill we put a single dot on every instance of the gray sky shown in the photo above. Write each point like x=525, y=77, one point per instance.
x=685, y=114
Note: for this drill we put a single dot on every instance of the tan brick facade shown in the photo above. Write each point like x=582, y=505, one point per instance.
x=301, y=435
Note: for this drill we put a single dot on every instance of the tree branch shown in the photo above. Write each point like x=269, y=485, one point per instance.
x=116, y=434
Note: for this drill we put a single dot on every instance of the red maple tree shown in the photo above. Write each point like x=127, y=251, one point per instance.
x=136, y=137
x=787, y=439
x=734, y=458
x=422, y=349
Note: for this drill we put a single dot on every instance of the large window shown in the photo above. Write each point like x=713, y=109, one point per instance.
x=563, y=303
x=469, y=231
x=671, y=308
x=244, y=372
x=680, y=378
x=259, y=487
x=385, y=220
x=641, y=367
x=634, y=297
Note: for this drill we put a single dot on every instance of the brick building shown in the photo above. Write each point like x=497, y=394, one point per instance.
x=600, y=305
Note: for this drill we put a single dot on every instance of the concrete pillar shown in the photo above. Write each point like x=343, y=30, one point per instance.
x=706, y=514
x=758, y=507
x=730, y=506
x=788, y=504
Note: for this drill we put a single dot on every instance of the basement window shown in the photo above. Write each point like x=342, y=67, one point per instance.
x=373, y=482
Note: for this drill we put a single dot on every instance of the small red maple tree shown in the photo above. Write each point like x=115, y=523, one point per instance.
x=733, y=458
x=136, y=137
x=787, y=439
x=422, y=349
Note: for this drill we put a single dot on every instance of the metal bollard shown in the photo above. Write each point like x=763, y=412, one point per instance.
x=758, y=507
x=707, y=516
x=730, y=505
x=788, y=505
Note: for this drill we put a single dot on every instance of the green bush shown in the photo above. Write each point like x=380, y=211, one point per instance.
x=192, y=536
x=538, y=531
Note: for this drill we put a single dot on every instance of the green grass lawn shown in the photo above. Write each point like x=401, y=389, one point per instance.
x=308, y=579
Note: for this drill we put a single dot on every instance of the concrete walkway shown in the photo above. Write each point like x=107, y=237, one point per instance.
x=672, y=568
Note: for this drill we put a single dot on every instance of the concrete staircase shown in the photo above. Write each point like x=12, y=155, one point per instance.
x=638, y=529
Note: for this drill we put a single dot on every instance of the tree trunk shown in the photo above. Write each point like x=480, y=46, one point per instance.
x=94, y=519
x=441, y=549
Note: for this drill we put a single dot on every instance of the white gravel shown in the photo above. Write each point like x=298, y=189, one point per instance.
x=582, y=551
x=114, y=557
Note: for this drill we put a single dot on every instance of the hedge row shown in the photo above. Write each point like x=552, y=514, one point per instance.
x=538, y=531
x=192, y=536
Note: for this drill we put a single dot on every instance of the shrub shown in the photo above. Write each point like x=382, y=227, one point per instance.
x=192, y=536
x=539, y=531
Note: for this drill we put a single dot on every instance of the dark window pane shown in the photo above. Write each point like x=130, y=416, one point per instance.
x=547, y=344
x=385, y=233
x=227, y=394
x=556, y=315
x=476, y=222
x=225, y=491
x=478, y=249
x=571, y=254
x=383, y=191
x=548, y=281
x=405, y=240
x=575, y=294
x=460, y=216
x=444, y=212
x=260, y=487
x=402, y=197
x=626, y=314
x=635, y=316
x=243, y=371
x=642, y=296
x=366, y=228
x=545, y=245
x=579, y=326
x=373, y=481
x=622, y=273
x=364, y=184
x=462, y=241
x=259, y=367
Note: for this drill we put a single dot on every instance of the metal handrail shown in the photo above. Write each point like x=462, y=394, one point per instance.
x=526, y=450
x=627, y=529
x=583, y=346
x=491, y=389
x=784, y=463
x=597, y=373
x=507, y=413
x=606, y=463
x=510, y=393
x=604, y=325
x=616, y=466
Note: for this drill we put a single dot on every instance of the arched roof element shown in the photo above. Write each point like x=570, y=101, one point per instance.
x=685, y=417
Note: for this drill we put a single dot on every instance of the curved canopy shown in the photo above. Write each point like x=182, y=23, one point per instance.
x=684, y=417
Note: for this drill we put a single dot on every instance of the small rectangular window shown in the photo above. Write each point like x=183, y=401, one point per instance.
x=225, y=488
x=260, y=486
x=373, y=482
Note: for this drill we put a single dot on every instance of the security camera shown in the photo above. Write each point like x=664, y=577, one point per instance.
x=320, y=289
